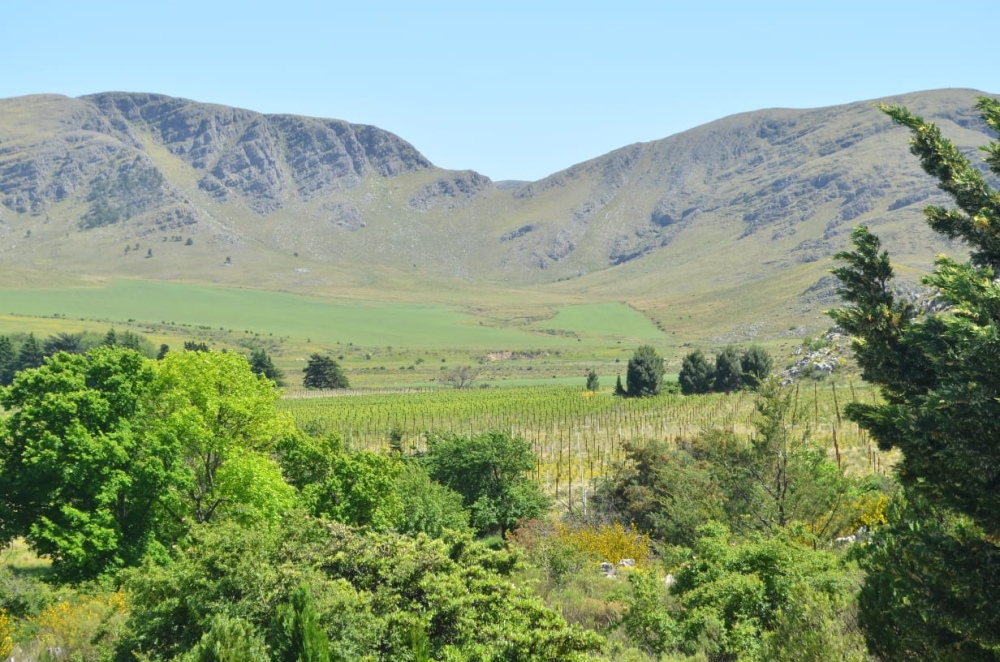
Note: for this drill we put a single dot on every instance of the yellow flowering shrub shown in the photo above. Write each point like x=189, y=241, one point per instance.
x=609, y=542
x=6, y=634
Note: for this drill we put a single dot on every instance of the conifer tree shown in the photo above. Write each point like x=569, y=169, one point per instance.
x=931, y=572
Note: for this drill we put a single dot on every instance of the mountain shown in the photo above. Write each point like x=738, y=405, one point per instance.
x=735, y=220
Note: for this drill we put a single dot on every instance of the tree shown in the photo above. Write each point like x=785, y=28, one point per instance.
x=644, y=373
x=30, y=355
x=756, y=364
x=261, y=364
x=619, y=389
x=71, y=343
x=728, y=371
x=461, y=377
x=593, y=381
x=939, y=374
x=215, y=410
x=490, y=471
x=8, y=361
x=76, y=480
x=697, y=374
x=323, y=372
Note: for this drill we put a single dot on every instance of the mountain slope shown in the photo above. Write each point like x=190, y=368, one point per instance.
x=744, y=211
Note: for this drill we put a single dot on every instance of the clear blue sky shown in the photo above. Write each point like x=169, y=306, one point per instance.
x=513, y=89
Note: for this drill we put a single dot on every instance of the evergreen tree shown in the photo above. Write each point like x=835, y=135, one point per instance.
x=323, y=372
x=164, y=348
x=619, y=389
x=30, y=355
x=939, y=375
x=261, y=364
x=697, y=374
x=298, y=636
x=8, y=361
x=756, y=364
x=728, y=371
x=593, y=382
x=644, y=373
x=110, y=338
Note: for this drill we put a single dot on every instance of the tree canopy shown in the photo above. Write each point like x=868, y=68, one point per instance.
x=645, y=372
x=323, y=372
x=939, y=374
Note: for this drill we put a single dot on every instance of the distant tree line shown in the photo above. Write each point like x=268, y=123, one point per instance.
x=730, y=371
x=20, y=351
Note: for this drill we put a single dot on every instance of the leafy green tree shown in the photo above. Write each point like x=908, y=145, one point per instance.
x=354, y=488
x=728, y=371
x=665, y=491
x=644, y=373
x=323, y=372
x=593, y=381
x=697, y=374
x=214, y=409
x=427, y=506
x=939, y=374
x=756, y=364
x=490, y=471
x=261, y=364
x=76, y=480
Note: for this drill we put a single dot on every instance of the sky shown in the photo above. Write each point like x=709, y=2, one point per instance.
x=512, y=89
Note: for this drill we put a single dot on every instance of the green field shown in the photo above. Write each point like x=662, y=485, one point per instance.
x=366, y=324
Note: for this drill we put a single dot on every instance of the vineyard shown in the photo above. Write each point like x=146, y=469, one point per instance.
x=576, y=435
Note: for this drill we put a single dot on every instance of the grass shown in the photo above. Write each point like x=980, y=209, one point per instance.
x=368, y=324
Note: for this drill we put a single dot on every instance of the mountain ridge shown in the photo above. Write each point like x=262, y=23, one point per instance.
x=292, y=202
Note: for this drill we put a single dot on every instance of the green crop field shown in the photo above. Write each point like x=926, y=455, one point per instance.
x=366, y=324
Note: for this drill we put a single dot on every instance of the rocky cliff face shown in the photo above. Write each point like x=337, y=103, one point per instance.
x=96, y=150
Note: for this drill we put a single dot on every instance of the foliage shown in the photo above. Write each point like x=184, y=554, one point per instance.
x=489, y=470
x=228, y=640
x=756, y=365
x=77, y=627
x=647, y=622
x=665, y=491
x=462, y=376
x=75, y=479
x=644, y=373
x=7, y=630
x=297, y=635
x=696, y=375
x=427, y=506
x=728, y=371
x=732, y=592
x=593, y=381
x=212, y=408
x=929, y=561
x=261, y=364
x=938, y=373
x=371, y=592
x=612, y=542
x=323, y=372
x=353, y=488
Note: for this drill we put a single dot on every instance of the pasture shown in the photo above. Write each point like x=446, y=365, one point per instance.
x=331, y=320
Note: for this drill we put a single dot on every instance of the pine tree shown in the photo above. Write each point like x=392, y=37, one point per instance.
x=697, y=374
x=932, y=572
x=8, y=361
x=644, y=373
x=30, y=355
x=261, y=364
